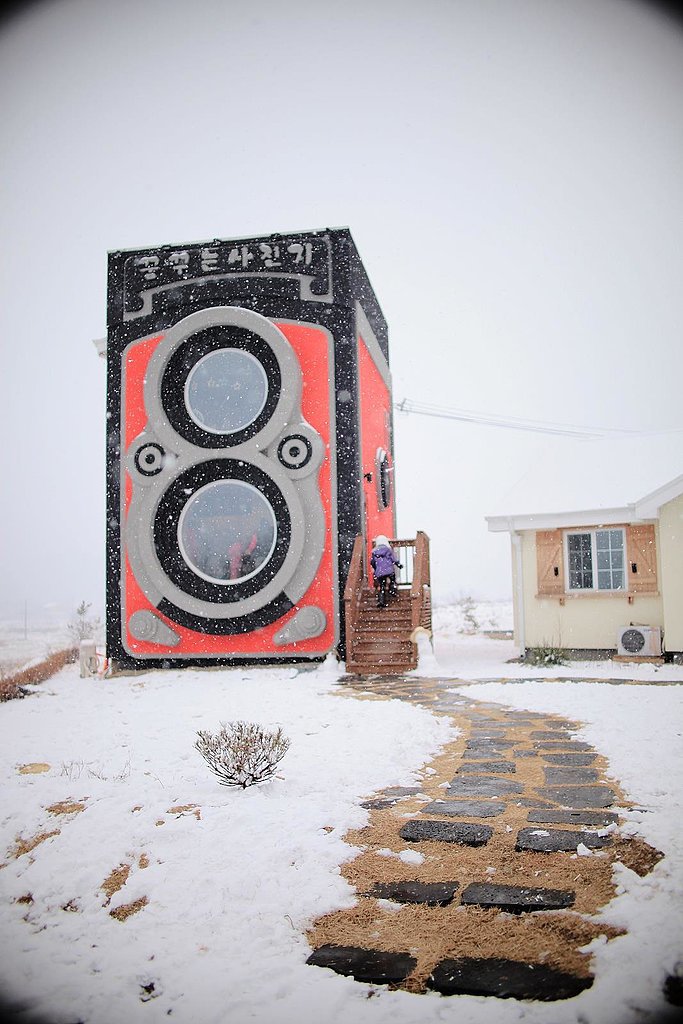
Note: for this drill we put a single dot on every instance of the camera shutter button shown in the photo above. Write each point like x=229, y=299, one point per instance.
x=294, y=451
x=149, y=459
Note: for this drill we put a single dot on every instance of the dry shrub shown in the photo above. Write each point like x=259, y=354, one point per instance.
x=242, y=753
x=12, y=686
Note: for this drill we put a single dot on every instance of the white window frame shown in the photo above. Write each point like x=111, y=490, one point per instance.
x=592, y=531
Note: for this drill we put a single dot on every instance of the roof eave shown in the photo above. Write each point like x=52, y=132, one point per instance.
x=566, y=520
x=648, y=507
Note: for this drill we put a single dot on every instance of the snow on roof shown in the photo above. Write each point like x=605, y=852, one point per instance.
x=575, y=481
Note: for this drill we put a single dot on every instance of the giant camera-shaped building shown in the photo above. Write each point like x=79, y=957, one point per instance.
x=249, y=441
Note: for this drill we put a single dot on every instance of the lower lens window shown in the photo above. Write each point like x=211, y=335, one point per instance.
x=227, y=531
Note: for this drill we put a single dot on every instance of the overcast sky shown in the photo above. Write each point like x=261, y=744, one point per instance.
x=511, y=171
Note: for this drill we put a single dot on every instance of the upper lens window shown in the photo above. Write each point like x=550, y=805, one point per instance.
x=227, y=531
x=226, y=390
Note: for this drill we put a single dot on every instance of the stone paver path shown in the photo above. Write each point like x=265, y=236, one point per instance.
x=484, y=880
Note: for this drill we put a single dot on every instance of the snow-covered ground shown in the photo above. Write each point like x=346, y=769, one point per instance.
x=233, y=878
x=464, y=651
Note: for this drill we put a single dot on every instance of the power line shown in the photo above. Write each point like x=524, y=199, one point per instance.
x=517, y=423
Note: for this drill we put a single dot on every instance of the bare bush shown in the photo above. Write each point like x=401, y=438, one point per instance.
x=471, y=623
x=242, y=753
x=82, y=626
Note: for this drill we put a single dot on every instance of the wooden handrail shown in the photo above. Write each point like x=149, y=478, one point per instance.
x=420, y=590
x=417, y=582
x=352, y=593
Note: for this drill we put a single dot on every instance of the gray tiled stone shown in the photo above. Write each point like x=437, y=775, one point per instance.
x=433, y=894
x=554, y=817
x=562, y=745
x=555, y=840
x=483, y=744
x=483, y=785
x=372, y=966
x=516, y=899
x=579, y=796
x=400, y=791
x=487, y=766
x=505, y=979
x=377, y=804
x=570, y=776
x=446, y=832
x=484, y=754
x=577, y=760
x=523, y=722
x=465, y=808
x=525, y=753
x=550, y=734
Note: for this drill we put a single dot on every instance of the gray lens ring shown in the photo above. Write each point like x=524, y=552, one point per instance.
x=289, y=398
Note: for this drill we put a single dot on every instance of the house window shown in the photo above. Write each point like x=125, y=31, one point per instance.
x=595, y=560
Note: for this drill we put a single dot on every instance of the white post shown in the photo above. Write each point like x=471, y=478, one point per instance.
x=88, y=658
x=519, y=589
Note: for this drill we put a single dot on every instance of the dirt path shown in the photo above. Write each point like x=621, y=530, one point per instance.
x=484, y=880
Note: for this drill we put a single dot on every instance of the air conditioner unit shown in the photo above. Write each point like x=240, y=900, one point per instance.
x=639, y=641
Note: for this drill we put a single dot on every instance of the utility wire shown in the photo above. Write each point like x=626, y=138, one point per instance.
x=517, y=423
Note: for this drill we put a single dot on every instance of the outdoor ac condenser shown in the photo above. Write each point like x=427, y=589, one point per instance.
x=639, y=641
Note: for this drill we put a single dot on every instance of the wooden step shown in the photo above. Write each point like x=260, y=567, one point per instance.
x=373, y=649
x=379, y=668
x=381, y=636
x=393, y=611
x=384, y=626
x=382, y=614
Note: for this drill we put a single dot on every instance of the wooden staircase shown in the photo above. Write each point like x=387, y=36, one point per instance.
x=382, y=641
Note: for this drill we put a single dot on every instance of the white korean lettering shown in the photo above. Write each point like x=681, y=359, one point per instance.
x=270, y=255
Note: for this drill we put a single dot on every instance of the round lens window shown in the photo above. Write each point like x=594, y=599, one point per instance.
x=226, y=391
x=227, y=531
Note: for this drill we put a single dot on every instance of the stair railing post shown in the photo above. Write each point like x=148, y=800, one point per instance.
x=352, y=595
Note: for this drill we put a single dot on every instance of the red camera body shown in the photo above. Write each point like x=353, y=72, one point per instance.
x=249, y=442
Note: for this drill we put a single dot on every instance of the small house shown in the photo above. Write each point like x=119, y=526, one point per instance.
x=606, y=579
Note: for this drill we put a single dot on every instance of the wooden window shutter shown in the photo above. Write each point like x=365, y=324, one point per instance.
x=642, y=553
x=550, y=562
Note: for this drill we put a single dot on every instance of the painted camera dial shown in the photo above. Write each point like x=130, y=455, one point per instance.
x=149, y=459
x=295, y=451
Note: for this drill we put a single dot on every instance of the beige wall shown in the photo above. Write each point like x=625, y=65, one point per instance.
x=671, y=561
x=591, y=622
